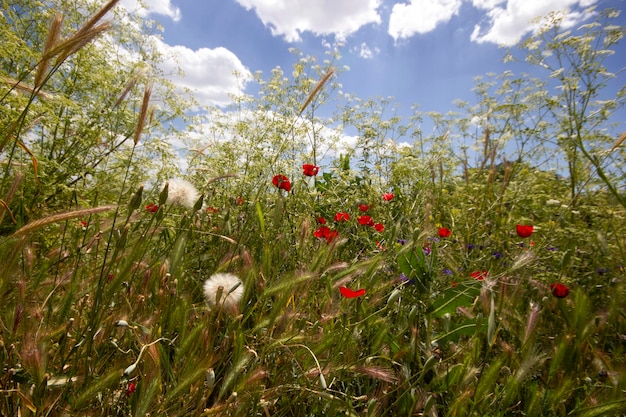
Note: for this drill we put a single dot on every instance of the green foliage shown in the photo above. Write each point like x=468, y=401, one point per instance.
x=103, y=311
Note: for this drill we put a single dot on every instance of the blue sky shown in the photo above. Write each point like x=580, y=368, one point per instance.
x=424, y=52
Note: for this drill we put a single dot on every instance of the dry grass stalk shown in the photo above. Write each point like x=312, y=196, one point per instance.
x=142, y=114
x=317, y=88
x=98, y=16
x=427, y=223
x=131, y=83
x=20, y=86
x=378, y=372
x=53, y=38
x=60, y=217
x=7, y=210
x=531, y=322
x=83, y=36
x=9, y=197
x=77, y=42
x=508, y=167
x=619, y=141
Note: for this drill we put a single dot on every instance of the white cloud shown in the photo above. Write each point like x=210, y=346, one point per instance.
x=365, y=52
x=508, y=25
x=160, y=7
x=209, y=73
x=290, y=18
x=486, y=4
x=420, y=16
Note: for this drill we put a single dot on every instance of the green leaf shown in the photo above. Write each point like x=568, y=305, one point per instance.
x=463, y=295
x=413, y=264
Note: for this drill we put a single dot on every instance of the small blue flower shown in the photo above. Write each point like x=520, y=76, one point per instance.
x=497, y=255
x=447, y=271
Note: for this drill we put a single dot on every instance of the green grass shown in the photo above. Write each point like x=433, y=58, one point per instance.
x=102, y=308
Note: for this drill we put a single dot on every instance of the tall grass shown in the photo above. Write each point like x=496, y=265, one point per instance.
x=103, y=312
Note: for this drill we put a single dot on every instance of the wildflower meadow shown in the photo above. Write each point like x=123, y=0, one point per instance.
x=478, y=271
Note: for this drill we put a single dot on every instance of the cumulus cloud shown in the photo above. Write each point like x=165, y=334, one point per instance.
x=508, y=23
x=158, y=7
x=290, y=18
x=420, y=16
x=211, y=74
x=365, y=52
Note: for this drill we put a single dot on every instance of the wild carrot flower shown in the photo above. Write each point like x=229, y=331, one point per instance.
x=231, y=289
x=388, y=196
x=444, y=232
x=559, y=290
x=182, y=193
x=310, y=170
x=342, y=217
x=282, y=182
x=524, y=230
x=348, y=293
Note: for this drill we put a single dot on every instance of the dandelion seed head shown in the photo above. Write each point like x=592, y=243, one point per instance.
x=231, y=293
x=182, y=193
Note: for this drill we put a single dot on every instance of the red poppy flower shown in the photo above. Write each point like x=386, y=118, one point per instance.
x=84, y=224
x=364, y=207
x=130, y=389
x=342, y=217
x=365, y=220
x=388, y=196
x=524, y=230
x=559, y=290
x=240, y=201
x=321, y=232
x=211, y=210
x=152, y=208
x=379, y=227
x=282, y=182
x=444, y=232
x=324, y=232
x=348, y=293
x=321, y=220
x=479, y=275
x=332, y=234
x=310, y=170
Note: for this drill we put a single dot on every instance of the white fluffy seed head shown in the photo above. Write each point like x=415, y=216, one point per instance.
x=182, y=193
x=231, y=291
